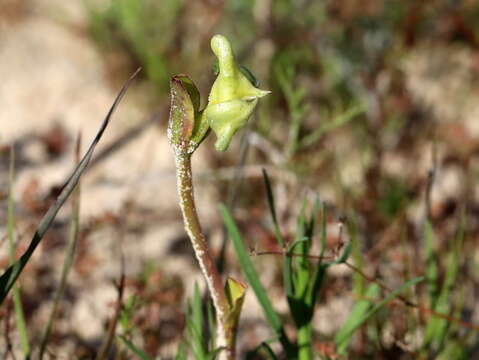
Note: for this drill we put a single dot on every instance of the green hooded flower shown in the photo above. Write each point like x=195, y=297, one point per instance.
x=232, y=98
x=231, y=102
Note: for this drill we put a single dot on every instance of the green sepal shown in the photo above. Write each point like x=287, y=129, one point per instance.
x=227, y=118
x=233, y=95
x=187, y=126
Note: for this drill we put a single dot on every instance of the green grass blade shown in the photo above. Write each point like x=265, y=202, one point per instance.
x=267, y=350
x=213, y=354
x=8, y=278
x=197, y=312
x=17, y=298
x=311, y=225
x=125, y=320
x=211, y=324
x=324, y=231
x=295, y=286
x=454, y=350
x=339, y=121
x=437, y=328
x=252, y=277
x=360, y=320
x=305, y=279
x=272, y=208
x=288, y=275
x=320, y=271
x=195, y=324
x=302, y=278
x=299, y=264
x=285, y=72
x=359, y=283
x=140, y=354
x=181, y=353
x=431, y=264
x=345, y=254
x=345, y=334
x=289, y=282
x=249, y=271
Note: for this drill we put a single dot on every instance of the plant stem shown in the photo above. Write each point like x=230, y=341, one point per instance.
x=202, y=252
x=304, y=342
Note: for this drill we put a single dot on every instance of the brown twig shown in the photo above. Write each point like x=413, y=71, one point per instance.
x=106, y=346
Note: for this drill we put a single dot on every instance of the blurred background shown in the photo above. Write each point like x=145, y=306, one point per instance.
x=373, y=108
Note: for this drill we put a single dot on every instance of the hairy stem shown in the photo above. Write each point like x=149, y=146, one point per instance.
x=202, y=252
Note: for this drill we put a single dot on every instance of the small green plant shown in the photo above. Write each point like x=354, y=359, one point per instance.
x=304, y=276
x=438, y=331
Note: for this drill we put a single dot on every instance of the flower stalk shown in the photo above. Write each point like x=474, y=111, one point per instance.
x=231, y=102
x=200, y=246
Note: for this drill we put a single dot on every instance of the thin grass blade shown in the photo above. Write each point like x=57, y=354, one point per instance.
x=305, y=275
x=17, y=297
x=320, y=271
x=211, y=324
x=294, y=288
x=311, y=225
x=195, y=324
x=8, y=278
x=140, y=354
x=253, y=278
x=345, y=334
x=431, y=264
x=213, y=354
x=339, y=121
x=69, y=255
x=267, y=350
x=181, y=353
x=360, y=320
x=359, y=284
x=249, y=271
x=288, y=270
x=437, y=328
x=324, y=230
x=345, y=254
x=272, y=208
x=302, y=278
